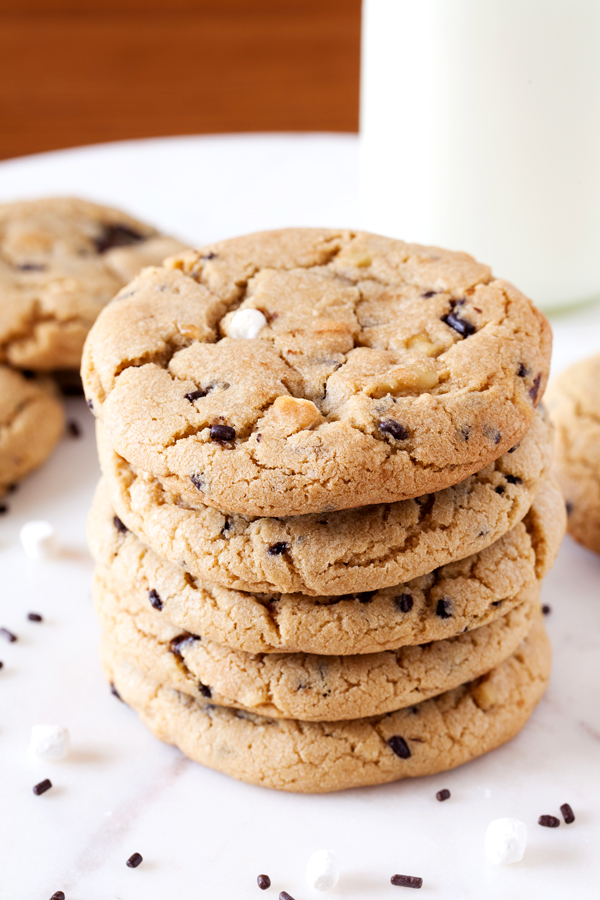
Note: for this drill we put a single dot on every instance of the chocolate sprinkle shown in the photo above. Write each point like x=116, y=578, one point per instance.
x=444, y=609
x=394, y=429
x=197, y=395
x=264, y=882
x=73, y=429
x=546, y=610
x=197, y=482
x=567, y=813
x=155, y=600
x=58, y=895
x=42, y=787
x=205, y=690
x=461, y=326
x=399, y=746
x=34, y=617
x=119, y=525
x=443, y=795
x=224, y=433
x=117, y=236
x=411, y=881
x=549, y=821
x=404, y=602
x=134, y=860
x=10, y=637
x=278, y=548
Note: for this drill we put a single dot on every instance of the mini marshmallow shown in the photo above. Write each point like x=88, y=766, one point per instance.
x=49, y=742
x=322, y=871
x=505, y=841
x=39, y=539
x=246, y=323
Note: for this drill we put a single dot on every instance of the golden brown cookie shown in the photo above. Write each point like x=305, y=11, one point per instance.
x=317, y=757
x=383, y=371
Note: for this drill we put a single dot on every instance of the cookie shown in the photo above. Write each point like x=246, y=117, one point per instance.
x=384, y=371
x=317, y=757
x=575, y=406
x=340, y=552
x=457, y=597
x=31, y=423
x=300, y=685
x=61, y=260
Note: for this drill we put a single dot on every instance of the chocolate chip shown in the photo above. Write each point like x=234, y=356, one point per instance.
x=399, y=747
x=205, y=690
x=567, y=813
x=366, y=597
x=155, y=600
x=89, y=404
x=499, y=489
x=31, y=267
x=444, y=608
x=12, y=488
x=465, y=432
x=176, y=644
x=42, y=787
x=224, y=433
x=495, y=603
x=28, y=374
x=1, y=664
x=428, y=294
x=393, y=428
x=443, y=795
x=285, y=896
x=461, y=326
x=58, y=895
x=73, y=429
x=546, y=610
x=134, y=860
x=534, y=389
x=549, y=821
x=264, y=882
x=258, y=438
x=119, y=525
x=208, y=256
x=522, y=371
x=3, y=508
x=197, y=482
x=34, y=617
x=404, y=602
x=513, y=479
x=411, y=881
x=10, y=637
x=115, y=692
x=512, y=449
x=117, y=236
x=201, y=392
x=569, y=507
x=278, y=548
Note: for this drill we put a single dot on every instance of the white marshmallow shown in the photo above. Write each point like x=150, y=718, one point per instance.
x=246, y=323
x=322, y=871
x=505, y=841
x=39, y=539
x=49, y=742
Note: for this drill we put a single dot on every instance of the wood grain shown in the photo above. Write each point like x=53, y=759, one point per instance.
x=74, y=73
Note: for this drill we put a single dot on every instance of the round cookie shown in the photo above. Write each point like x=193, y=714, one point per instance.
x=339, y=552
x=458, y=597
x=31, y=423
x=575, y=406
x=317, y=757
x=299, y=685
x=61, y=260
x=384, y=371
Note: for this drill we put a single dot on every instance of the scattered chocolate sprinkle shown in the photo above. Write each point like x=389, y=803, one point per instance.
x=546, y=610
x=42, y=787
x=534, y=389
x=3, y=508
x=116, y=236
x=34, y=617
x=285, y=896
x=196, y=395
x=73, y=429
x=205, y=690
x=30, y=267
x=115, y=692
x=513, y=479
x=549, y=821
x=428, y=294
x=119, y=525
x=208, y=256
x=461, y=326
x=443, y=795
x=10, y=637
x=89, y=404
x=264, y=882
x=567, y=813
x=58, y=895
x=399, y=746
x=411, y=881
x=522, y=371
x=444, y=608
x=154, y=599
x=197, y=482
x=393, y=428
x=404, y=602
x=177, y=643
x=224, y=433
x=134, y=860
x=278, y=548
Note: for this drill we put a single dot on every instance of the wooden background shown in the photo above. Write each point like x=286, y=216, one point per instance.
x=74, y=72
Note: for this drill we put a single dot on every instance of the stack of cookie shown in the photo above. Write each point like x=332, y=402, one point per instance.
x=325, y=509
x=61, y=261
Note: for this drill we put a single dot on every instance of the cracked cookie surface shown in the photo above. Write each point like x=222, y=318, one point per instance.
x=575, y=408
x=31, y=423
x=338, y=552
x=61, y=260
x=459, y=596
x=300, y=685
x=384, y=371
x=317, y=757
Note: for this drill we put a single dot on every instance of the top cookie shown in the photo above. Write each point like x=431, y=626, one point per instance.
x=575, y=409
x=61, y=260
x=383, y=371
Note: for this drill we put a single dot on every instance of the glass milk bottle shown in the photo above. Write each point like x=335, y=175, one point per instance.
x=480, y=131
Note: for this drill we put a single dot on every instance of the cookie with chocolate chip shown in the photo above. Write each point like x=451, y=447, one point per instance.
x=31, y=423
x=448, y=601
x=575, y=407
x=317, y=757
x=384, y=371
x=61, y=260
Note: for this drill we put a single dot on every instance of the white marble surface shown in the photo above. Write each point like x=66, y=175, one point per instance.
x=203, y=835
